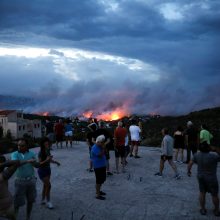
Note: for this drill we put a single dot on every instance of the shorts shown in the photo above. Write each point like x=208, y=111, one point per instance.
x=8, y=213
x=135, y=143
x=59, y=137
x=68, y=134
x=25, y=189
x=100, y=174
x=166, y=157
x=44, y=172
x=120, y=152
x=208, y=185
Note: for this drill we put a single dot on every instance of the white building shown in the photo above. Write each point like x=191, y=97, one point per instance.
x=13, y=120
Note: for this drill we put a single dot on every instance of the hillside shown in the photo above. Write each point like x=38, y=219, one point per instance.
x=210, y=117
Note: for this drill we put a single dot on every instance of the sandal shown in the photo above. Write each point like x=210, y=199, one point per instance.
x=216, y=213
x=203, y=211
x=100, y=197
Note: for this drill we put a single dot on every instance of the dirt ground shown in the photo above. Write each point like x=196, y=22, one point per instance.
x=136, y=194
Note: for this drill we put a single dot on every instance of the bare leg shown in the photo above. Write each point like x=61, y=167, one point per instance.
x=29, y=209
x=173, y=166
x=98, y=189
x=123, y=164
x=135, y=150
x=181, y=154
x=161, y=165
x=176, y=155
x=117, y=164
x=132, y=148
x=202, y=200
x=215, y=201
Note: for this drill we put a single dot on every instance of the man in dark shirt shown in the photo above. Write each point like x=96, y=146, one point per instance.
x=192, y=140
x=206, y=174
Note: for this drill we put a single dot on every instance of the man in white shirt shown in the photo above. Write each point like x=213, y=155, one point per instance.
x=135, y=139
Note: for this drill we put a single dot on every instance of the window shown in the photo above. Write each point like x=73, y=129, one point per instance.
x=38, y=125
x=35, y=125
x=19, y=127
x=23, y=127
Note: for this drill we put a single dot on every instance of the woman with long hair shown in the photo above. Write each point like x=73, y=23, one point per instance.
x=44, y=171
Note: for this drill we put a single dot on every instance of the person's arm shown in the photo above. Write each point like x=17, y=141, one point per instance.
x=55, y=162
x=12, y=166
x=48, y=159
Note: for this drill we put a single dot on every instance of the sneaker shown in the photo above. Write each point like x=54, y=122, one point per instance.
x=109, y=173
x=203, y=211
x=137, y=156
x=100, y=197
x=49, y=205
x=102, y=193
x=177, y=176
x=175, y=161
x=216, y=213
x=158, y=174
x=43, y=202
x=180, y=162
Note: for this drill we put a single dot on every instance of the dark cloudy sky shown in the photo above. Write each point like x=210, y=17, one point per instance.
x=141, y=56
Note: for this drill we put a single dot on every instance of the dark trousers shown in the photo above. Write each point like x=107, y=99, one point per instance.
x=190, y=149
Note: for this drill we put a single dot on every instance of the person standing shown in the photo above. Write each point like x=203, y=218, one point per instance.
x=89, y=142
x=50, y=132
x=44, y=171
x=25, y=181
x=179, y=144
x=192, y=140
x=68, y=133
x=59, y=131
x=103, y=131
x=206, y=174
x=7, y=169
x=135, y=139
x=99, y=163
x=167, y=154
x=205, y=135
x=120, y=134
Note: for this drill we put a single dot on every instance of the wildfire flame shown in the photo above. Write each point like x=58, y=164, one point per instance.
x=43, y=113
x=107, y=116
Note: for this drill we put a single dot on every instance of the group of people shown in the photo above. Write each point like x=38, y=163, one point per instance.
x=125, y=142
x=60, y=132
x=23, y=161
x=206, y=158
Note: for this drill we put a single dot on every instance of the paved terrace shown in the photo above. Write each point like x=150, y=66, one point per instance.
x=134, y=195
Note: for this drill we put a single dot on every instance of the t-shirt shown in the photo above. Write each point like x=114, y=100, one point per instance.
x=120, y=135
x=68, y=127
x=178, y=139
x=59, y=128
x=207, y=163
x=26, y=170
x=205, y=136
x=49, y=127
x=135, y=132
x=6, y=199
x=167, y=146
x=43, y=157
x=89, y=136
x=192, y=134
x=98, y=161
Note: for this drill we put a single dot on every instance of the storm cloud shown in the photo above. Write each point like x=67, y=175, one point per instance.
x=101, y=55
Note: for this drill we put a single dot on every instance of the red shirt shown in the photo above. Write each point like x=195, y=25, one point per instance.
x=59, y=129
x=120, y=134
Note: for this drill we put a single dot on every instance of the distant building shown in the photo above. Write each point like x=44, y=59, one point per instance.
x=13, y=121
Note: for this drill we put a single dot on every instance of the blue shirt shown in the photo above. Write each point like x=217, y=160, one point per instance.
x=98, y=161
x=68, y=127
x=26, y=170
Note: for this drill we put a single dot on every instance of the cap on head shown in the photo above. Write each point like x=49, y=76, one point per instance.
x=189, y=123
x=100, y=139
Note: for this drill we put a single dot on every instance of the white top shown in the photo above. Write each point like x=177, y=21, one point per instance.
x=135, y=132
x=167, y=145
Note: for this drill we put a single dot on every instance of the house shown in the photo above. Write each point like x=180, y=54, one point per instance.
x=13, y=121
